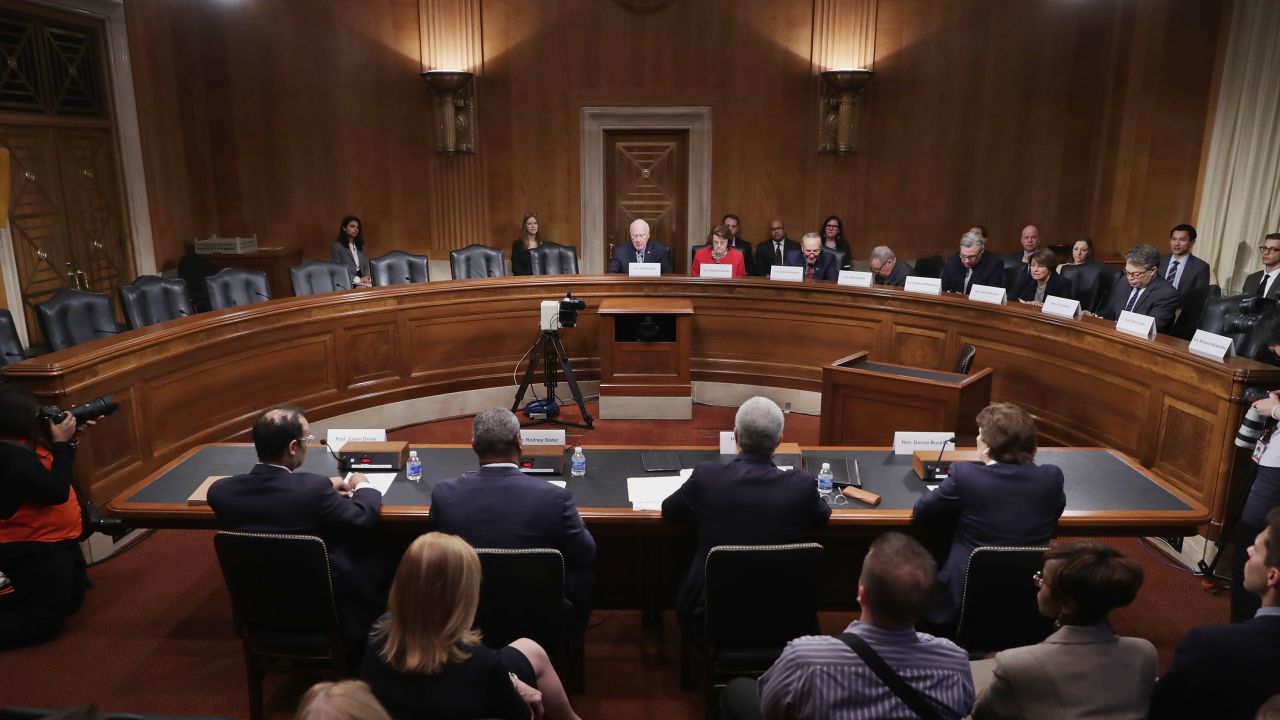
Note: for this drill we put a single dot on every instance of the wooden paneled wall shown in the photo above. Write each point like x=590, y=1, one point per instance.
x=279, y=117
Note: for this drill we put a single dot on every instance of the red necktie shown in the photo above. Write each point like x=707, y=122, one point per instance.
x=808, y=273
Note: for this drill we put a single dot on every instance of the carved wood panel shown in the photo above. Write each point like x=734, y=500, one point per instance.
x=92, y=202
x=646, y=178
x=921, y=347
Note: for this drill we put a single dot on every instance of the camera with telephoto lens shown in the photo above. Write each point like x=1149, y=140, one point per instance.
x=569, y=308
x=92, y=410
x=1254, y=423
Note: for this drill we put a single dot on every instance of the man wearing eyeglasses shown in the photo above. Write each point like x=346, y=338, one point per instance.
x=818, y=264
x=887, y=269
x=1263, y=283
x=1141, y=289
x=774, y=251
x=972, y=266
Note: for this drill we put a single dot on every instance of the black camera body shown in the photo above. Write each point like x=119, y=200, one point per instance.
x=92, y=410
x=569, y=308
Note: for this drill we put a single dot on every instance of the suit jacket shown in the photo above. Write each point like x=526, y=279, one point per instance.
x=1014, y=259
x=1159, y=300
x=625, y=254
x=748, y=501
x=1193, y=290
x=765, y=258
x=898, y=278
x=826, y=268
x=990, y=271
x=748, y=258
x=1000, y=504
x=1080, y=671
x=1221, y=671
x=1058, y=286
x=1251, y=285
x=342, y=255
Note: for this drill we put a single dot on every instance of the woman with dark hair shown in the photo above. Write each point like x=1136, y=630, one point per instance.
x=1007, y=500
x=348, y=250
x=1041, y=280
x=530, y=238
x=833, y=239
x=718, y=252
x=1082, y=250
x=1083, y=670
x=40, y=561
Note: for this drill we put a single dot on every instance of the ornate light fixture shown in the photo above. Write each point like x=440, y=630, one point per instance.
x=838, y=104
x=454, y=110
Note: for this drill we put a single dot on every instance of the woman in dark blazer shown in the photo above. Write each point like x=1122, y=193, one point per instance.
x=833, y=239
x=1009, y=500
x=1042, y=281
x=530, y=238
x=348, y=250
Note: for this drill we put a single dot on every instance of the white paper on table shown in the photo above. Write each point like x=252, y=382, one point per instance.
x=558, y=483
x=379, y=481
x=652, y=489
x=646, y=506
x=728, y=444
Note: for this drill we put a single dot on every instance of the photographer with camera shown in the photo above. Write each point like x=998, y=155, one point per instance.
x=40, y=521
x=1260, y=422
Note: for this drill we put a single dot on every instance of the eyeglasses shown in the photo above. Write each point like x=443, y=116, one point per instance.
x=831, y=227
x=971, y=258
x=1136, y=275
x=1269, y=248
x=307, y=440
x=1038, y=579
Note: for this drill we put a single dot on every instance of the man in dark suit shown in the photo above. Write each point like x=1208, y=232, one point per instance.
x=887, y=269
x=1263, y=283
x=972, y=266
x=501, y=507
x=274, y=498
x=642, y=249
x=1229, y=671
x=1141, y=289
x=774, y=251
x=1189, y=275
x=748, y=258
x=1030, y=241
x=818, y=264
x=749, y=501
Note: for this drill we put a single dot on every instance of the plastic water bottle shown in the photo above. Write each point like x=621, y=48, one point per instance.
x=413, y=468
x=825, y=479
x=578, y=464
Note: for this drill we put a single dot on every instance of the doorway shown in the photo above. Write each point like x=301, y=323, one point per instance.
x=646, y=178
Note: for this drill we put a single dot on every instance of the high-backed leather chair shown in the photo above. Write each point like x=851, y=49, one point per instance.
x=476, y=261
x=72, y=317
x=930, y=266
x=399, y=268
x=195, y=270
x=965, y=360
x=319, y=276
x=152, y=299
x=1012, y=276
x=10, y=344
x=998, y=608
x=233, y=287
x=554, y=259
x=1092, y=283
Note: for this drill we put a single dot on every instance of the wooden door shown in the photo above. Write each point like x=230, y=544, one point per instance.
x=647, y=178
x=95, y=220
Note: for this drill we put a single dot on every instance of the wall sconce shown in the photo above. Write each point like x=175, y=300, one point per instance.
x=838, y=103
x=455, y=110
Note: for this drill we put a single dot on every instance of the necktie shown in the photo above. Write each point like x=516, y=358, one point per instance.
x=808, y=273
x=1173, y=273
x=1262, y=285
x=968, y=277
x=777, y=252
x=639, y=256
x=1133, y=299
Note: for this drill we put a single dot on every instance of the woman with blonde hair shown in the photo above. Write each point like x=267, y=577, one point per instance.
x=345, y=700
x=425, y=658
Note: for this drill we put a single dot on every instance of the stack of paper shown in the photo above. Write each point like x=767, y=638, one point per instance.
x=647, y=493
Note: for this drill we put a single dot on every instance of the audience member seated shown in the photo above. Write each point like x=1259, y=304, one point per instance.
x=345, y=700
x=1030, y=241
x=1081, y=251
x=425, y=660
x=718, y=252
x=833, y=240
x=42, y=573
x=1007, y=501
x=731, y=222
x=1263, y=282
x=1042, y=280
x=972, y=266
x=887, y=269
x=348, y=251
x=1083, y=670
x=1142, y=290
x=1228, y=671
x=748, y=501
x=818, y=264
x=642, y=250
x=1189, y=275
x=530, y=238
x=834, y=678
x=501, y=507
x=774, y=251
x=273, y=497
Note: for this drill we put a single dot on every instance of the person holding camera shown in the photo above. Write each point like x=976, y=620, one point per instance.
x=40, y=521
x=1263, y=495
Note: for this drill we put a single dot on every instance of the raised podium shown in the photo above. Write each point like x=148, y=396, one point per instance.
x=644, y=358
x=864, y=402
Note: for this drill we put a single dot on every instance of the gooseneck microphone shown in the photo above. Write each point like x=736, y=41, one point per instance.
x=938, y=470
x=344, y=466
x=940, y=452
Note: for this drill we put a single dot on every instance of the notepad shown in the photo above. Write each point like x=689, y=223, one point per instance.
x=380, y=481
x=647, y=493
x=201, y=495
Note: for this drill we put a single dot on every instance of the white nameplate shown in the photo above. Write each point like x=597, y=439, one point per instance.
x=1061, y=307
x=541, y=437
x=926, y=285
x=715, y=270
x=338, y=437
x=905, y=443
x=1137, y=325
x=988, y=294
x=636, y=269
x=854, y=278
x=786, y=273
x=728, y=445
x=1211, y=345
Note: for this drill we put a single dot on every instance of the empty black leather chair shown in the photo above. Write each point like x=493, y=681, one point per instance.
x=554, y=259
x=930, y=266
x=399, y=268
x=476, y=261
x=152, y=299
x=965, y=361
x=10, y=344
x=998, y=609
x=319, y=276
x=195, y=270
x=1092, y=282
x=842, y=258
x=72, y=317
x=1012, y=277
x=233, y=287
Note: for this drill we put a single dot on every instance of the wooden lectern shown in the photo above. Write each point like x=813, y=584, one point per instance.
x=644, y=358
x=864, y=402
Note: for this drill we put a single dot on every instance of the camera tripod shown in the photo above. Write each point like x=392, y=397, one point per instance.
x=550, y=351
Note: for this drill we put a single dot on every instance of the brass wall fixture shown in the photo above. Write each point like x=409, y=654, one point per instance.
x=839, y=101
x=455, y=112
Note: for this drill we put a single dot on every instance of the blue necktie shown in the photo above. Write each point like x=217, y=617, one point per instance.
x=1133, y=299
x=1173, y=273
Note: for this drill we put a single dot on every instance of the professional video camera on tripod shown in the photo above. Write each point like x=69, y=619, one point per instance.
x=548, y=350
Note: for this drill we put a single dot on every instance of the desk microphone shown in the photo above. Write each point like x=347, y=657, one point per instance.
x=938, y=470
x=344, y=466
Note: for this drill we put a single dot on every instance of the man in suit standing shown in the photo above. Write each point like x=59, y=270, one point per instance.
x=1263, y=283
x=501, y=507
x=817, y=263
x=774, y=250
x=749, y=501
x=887, y=269
x=972, y=266
x=642, y=250
x=1141, y=289
x=1189, y=275
x=1229, y=671
x=748, y=259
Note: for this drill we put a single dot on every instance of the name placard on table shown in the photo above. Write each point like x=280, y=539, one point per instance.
x=988, y=294
x=715, y=270
x=1211, y=345
x=1137, y=325
x=925, y=285
x=337, y=437
x=639, y=269
x=786, y=273
x=1061, y=307
x=854, y=278
x=905, y=443
x=541, y=437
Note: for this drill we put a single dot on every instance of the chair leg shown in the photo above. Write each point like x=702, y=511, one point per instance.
x=255, y=691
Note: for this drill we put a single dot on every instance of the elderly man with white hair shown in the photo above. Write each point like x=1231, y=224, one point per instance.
x=641, y=249
x=749, y=501
x=973, y=265
x=887, y=269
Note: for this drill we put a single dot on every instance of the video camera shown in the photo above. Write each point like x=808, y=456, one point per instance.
x=561, y=313
x=92, y=410
x=1251, y=322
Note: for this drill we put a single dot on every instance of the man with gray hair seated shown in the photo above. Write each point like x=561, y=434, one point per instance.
x=887, y=269
x=972, y=266
x=1141, y=290
x=749, y=501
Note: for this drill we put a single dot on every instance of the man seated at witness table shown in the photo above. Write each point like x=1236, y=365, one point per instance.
x=1263, y=282
x=273, y=498
x=731, y=222
x=1030, y=241
x=818, y=264
x=1141, y=290
x=718, y=252
x=1042, y=280
x=774, y=251
x=501, y=507
x=1228, y=671
x=749, y=501
x=972, y=266
x=641, y=250
x=825, y=678
x=1189, y=275
x=887, y=269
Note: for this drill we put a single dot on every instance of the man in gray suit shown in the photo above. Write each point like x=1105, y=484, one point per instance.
x=887, y=269
x=1141, y=289
x=1266, y=277
x=1189, y=275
